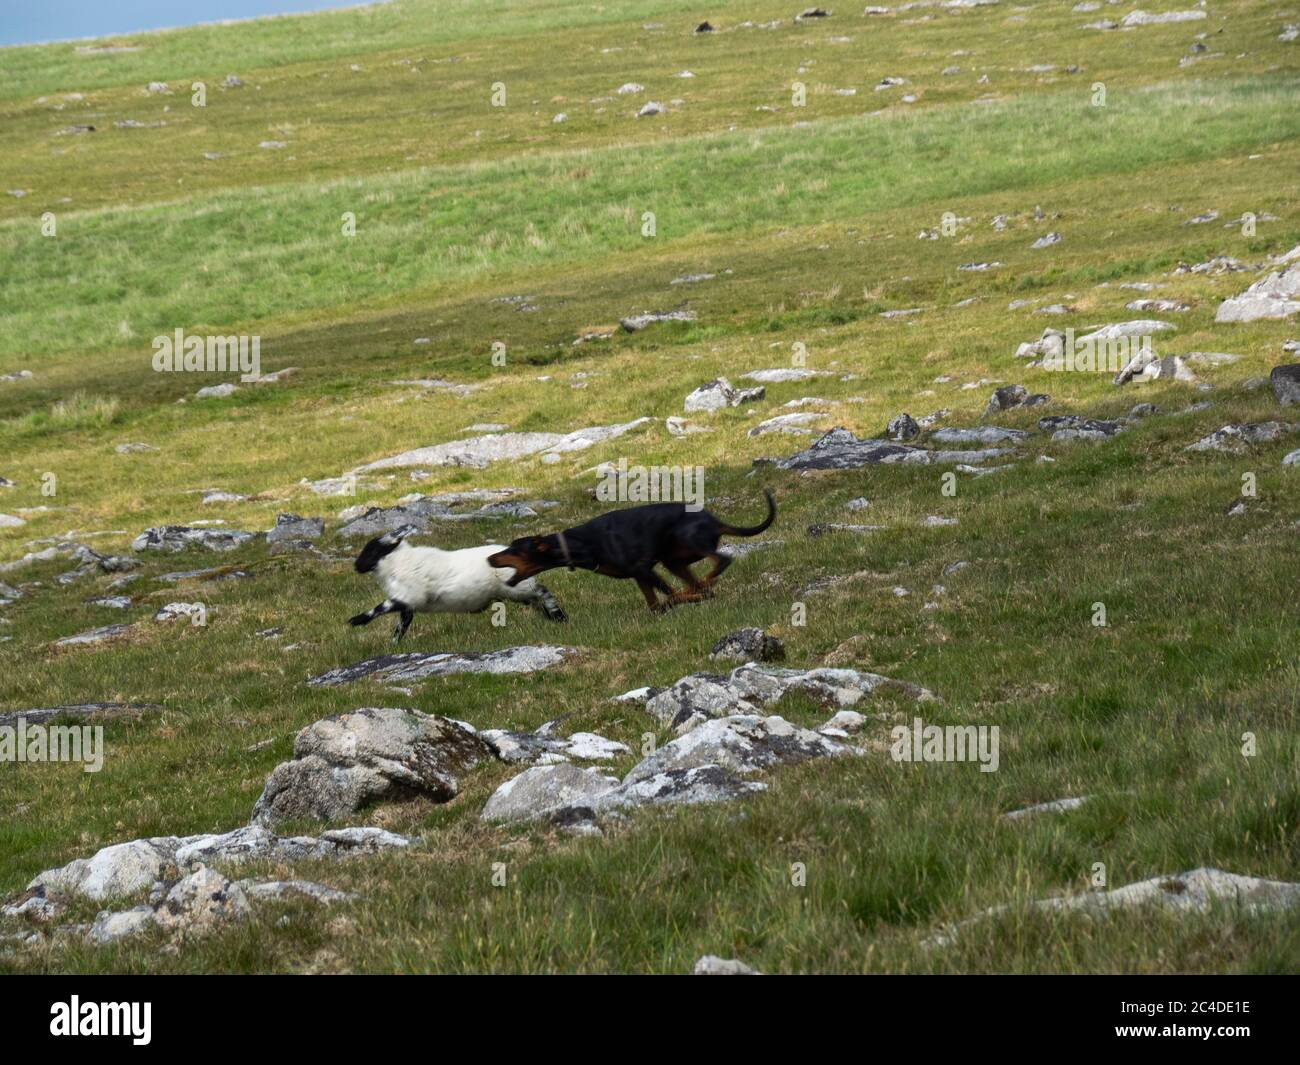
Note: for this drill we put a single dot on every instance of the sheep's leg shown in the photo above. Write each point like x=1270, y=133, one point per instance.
x=404, y=618
x=546, y=604
x=388, y=606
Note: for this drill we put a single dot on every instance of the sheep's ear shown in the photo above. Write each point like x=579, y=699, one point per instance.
x=402, y=533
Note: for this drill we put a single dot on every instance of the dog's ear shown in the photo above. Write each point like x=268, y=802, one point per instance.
x=540, y=545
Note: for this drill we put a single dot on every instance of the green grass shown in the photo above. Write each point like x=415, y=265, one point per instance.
x=817, y=225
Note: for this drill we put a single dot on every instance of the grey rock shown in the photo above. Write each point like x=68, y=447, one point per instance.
x=781, y=374
x=79, y=712
x=110, y=927
x=902, y=427
x=1053, y=807
x=1197, y=891
x=1286, y=383
x=1274, y=296
x=790, y=424
x=719, y=394
x=711, y=965
x=1010, y=397
x=180, y=537
x=292, y=527
x=636, y=322
x=1076, y=426
x=1292, y=459
x=697, y=698
x=544, y=789
x=114, y=871
x=281, y=890
x=1237, y=439
x=417, y=665
x=839, y=449
x=342, y=763
x=93, y=636
x=820, y=529
x=201, y=902
x=748, y=645
x=742, y=744
x=987, y=434
x=478, y=452
x=686, y=787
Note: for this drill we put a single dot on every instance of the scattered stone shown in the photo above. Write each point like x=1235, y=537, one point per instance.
x=479, y=452
x=790, y=424
x=748, y=645
x=744, y=744
x=902, y=427
x=1286, y=384
x=172, y=611
x=133, y=448
x=342, y=763
x=820, y=529
x=1275, y=296
x=292, y=527
x=988, y=434
x=1056, y=806
x=1142, y=18
x=839, y=449
x=417, y=665
x=217, y=391
x=711, y=965
x=93, y=636
x=544, y=789
x=179, y=537
x=720, y=393
x=1196, y=891
x=540, y=747
x=1163, y=306
x=651, y=108
x=115, y=871
x=1237, y=439
x=1046, y=240
x=781, y=375
x=1012, y=396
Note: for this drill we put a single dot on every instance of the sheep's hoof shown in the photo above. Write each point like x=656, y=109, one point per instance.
x=359, y=619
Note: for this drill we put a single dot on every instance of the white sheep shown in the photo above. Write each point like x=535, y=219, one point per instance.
x=428, y=580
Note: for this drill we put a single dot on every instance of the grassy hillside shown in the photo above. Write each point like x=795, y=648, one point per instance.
x=808, y=218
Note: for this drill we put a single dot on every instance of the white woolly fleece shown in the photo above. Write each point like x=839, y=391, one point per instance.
x=433, y=581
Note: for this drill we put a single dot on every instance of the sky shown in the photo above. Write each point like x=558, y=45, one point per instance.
x=34, y=21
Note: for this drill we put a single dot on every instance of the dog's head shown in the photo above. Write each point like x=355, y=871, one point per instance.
x=380, y=547
x=528, y=556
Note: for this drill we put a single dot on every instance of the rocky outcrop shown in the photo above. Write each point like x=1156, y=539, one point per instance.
x=839, y=449
x=1196, y=891
x=748, y=645
x=417, y=665
x=1238, y=439
x=343, y=763
x=719, y=394
x=1274, y=296
x=180, y=537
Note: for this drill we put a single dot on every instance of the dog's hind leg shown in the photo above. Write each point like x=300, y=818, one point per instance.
x=650, y=582
x=388, y=606
x=720, y=564
x=694, y=590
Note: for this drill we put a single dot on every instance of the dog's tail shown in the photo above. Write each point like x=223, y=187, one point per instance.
x=753, y=530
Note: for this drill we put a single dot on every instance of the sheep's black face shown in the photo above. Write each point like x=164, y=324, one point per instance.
x=527, y=556
x=374, y=551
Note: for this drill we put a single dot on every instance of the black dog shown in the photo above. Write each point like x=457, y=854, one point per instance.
x=630, y=543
